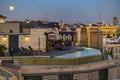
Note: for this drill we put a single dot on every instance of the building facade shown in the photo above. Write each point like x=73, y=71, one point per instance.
x=2, y=19
x=92, y=36
x=10, y=28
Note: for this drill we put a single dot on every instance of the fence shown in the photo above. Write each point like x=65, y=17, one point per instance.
x=26, y=60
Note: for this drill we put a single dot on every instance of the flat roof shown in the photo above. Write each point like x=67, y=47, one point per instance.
x=12, y=34
x=1, y=16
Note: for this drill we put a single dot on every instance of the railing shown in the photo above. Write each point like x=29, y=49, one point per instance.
x=54, y=61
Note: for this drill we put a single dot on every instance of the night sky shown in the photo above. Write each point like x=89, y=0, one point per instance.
x=70, y=11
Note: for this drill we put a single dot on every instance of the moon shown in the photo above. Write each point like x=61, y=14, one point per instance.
x=11, y=8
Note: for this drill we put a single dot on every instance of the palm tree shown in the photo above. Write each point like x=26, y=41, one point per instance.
x=2, y=49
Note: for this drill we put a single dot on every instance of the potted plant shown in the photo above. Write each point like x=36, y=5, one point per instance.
x=2, y=49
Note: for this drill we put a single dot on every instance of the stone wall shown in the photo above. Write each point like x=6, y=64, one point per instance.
x=36, y=39
x=90, y=75
x=111, y=75
x=86, y=76
x=95, y=39
x=7, y=27
x=50, y=77
x=84, y=37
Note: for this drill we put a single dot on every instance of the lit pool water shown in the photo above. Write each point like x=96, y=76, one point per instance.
x=82, y=53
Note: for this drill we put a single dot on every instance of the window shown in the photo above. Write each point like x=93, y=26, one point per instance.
x=11, y=31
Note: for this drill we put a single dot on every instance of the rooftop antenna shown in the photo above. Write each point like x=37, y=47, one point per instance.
x=99, y=16
x=98, y=34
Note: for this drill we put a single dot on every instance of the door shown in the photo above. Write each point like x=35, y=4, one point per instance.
x=13, y=44
x=103, y=74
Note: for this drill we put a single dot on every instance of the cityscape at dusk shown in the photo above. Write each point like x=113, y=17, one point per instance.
x=70, y=11
x=59, y=40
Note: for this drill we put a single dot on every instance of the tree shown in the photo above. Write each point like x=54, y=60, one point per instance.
x=2, y=49
x=115, y=20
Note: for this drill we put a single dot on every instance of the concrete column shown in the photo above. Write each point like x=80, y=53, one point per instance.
x=112, y=73
x=88, y=37
x=20, y=75
x=93, y=75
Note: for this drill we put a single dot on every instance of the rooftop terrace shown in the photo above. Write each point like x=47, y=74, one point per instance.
x=75, y=55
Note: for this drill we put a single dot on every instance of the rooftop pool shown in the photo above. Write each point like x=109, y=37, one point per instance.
x=85, y=52
x=69, y=57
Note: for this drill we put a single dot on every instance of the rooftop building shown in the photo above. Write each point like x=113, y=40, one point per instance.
x=2, y=19
x=30, y=53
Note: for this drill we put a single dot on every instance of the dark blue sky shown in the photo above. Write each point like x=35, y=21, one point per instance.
x=70, y=11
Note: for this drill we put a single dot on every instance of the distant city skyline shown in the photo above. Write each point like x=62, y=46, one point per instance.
x=70, y=11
